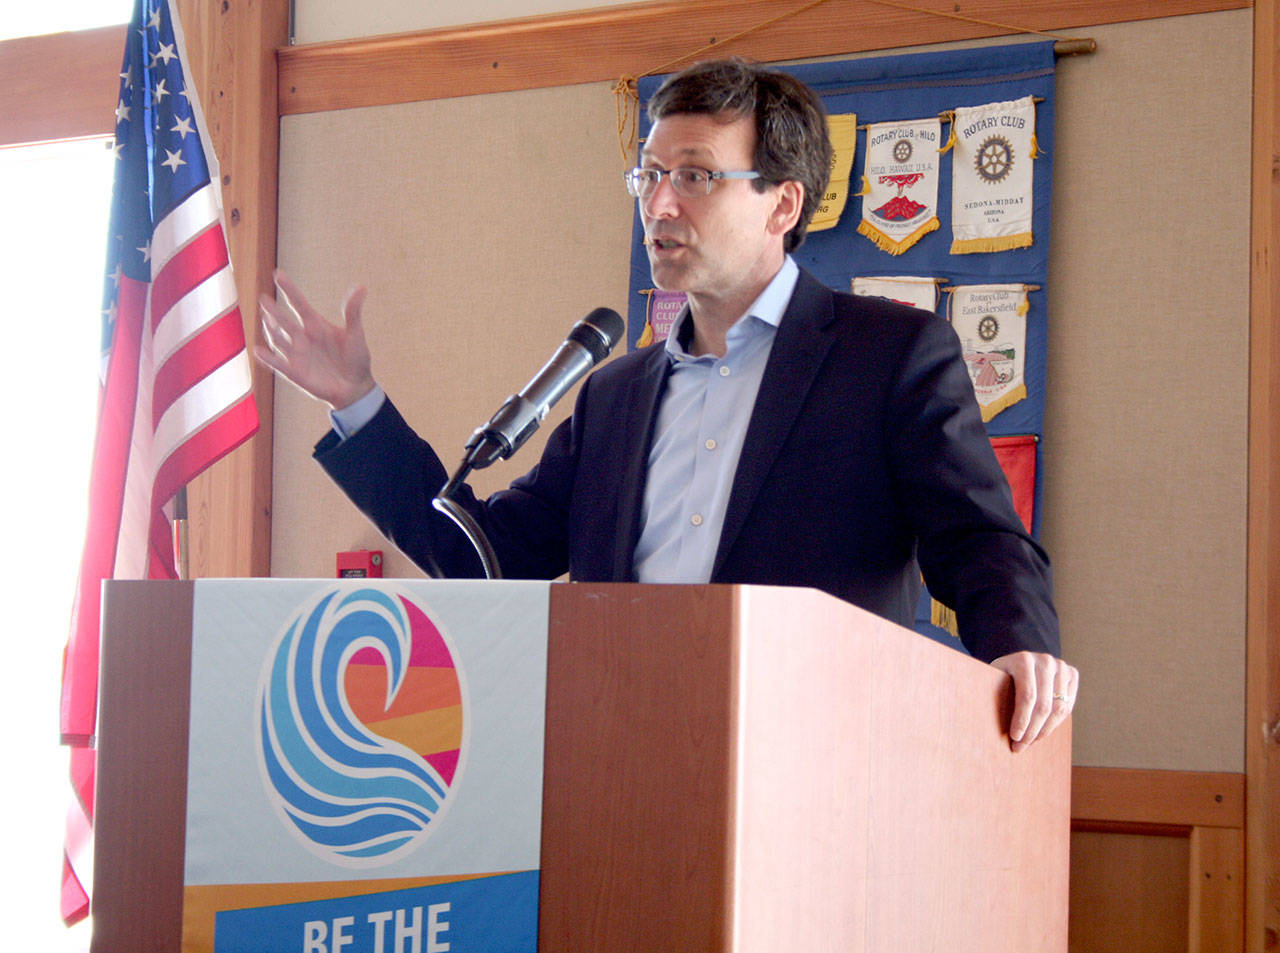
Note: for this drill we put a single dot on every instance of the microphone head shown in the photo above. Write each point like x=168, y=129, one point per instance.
x=598, y=332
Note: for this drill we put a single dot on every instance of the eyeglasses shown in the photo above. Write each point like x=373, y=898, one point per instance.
x=689, y=181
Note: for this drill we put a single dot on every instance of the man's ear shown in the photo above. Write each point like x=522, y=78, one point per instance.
x=789, y=197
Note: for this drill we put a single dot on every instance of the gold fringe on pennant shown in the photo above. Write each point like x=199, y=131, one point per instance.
x=1003, y=403
x=1024, y=308
x=968, y=246
x=866, y=188
x=944, y=618
x=647, y=335
x=1035, y=147
x=896, y=246
x=627, y=101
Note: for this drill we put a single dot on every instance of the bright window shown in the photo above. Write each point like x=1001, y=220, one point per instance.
x=52, y=242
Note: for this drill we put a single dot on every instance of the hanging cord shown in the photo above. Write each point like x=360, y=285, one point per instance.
x=960, y=16
x=627, y=95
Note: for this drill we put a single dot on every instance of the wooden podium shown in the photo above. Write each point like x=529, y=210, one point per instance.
x=726, y=769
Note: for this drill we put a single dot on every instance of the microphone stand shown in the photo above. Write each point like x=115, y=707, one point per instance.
x=446, y=504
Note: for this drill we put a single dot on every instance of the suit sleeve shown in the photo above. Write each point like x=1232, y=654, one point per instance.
x=974, y=552
x=391, y=474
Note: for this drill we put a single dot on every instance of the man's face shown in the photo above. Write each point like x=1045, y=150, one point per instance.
x=718, y=246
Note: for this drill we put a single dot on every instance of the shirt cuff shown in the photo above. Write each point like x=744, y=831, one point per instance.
x=348, y=420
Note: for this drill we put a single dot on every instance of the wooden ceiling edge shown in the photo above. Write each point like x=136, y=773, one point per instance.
x=529, y=53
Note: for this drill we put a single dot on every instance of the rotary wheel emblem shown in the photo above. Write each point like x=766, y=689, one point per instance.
x=988, y=327
x=902, y=150
x=994, y=159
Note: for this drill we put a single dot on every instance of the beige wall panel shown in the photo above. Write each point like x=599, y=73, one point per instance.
x=485, y=226
x=1148, y=373
x=483, y=229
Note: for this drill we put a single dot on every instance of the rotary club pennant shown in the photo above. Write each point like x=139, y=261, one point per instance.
x=844, y=142
x=991, y=198
x=915, y=292
x=991, y=321
x=900, y=183
x=1017, y=458
x=663, y=309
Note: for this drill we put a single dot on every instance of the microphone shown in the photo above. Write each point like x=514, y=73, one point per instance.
x=588, y=343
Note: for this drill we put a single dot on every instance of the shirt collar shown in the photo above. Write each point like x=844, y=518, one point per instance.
x=769, y=307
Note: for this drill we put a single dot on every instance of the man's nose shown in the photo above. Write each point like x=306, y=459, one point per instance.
x=663, y=201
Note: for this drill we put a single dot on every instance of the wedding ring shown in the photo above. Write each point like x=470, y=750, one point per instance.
x=1059, y=697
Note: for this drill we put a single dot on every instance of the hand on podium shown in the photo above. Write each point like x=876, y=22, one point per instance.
x=327, y=361
x=1044, y=692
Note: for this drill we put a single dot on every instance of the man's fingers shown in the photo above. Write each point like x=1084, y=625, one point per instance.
x=351, y=308
x=268, y=357
x=295, y=302
x=275, y=333
x=1044, y=692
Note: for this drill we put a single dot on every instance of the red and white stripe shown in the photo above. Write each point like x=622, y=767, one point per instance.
x=177, y=395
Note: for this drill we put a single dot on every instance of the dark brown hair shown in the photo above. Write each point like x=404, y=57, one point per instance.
x=792, y=143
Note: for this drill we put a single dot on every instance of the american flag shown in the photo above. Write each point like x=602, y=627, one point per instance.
x=175, y=378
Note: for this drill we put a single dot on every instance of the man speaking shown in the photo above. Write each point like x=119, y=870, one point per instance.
x=784, y=434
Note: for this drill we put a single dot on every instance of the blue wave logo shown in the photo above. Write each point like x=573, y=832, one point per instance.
x=353, y=796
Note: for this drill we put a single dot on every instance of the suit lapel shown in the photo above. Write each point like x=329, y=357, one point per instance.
x=644, y=393
x=797, y=353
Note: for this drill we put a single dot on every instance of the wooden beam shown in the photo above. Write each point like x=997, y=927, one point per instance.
x=605, y=44
x=231, y=46
x=1262, y=706
x=1215, y=881
x=60, y=86
x=1105, y=798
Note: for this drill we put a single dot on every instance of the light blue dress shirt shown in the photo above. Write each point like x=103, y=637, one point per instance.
x=698, y=438
x=347, y=420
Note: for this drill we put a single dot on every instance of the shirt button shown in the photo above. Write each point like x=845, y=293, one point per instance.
x=696, y=519
x=724, y=371
x=710, y=444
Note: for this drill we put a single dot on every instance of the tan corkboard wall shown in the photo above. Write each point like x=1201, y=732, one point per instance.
x=485, y=226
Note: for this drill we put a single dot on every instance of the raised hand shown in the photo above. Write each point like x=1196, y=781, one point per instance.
x=327, y=361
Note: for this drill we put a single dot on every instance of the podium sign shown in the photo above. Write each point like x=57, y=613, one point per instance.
x=364, y=767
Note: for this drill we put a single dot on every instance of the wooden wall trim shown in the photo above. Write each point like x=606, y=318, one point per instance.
x=60, y=86
x=1262, y=705
x=603, y=45
x=1117, y=797
x=1215, y=882
x=231, y=48
x=1205, y=810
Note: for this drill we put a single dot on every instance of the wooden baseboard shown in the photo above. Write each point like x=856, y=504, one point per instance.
x=1125, y=797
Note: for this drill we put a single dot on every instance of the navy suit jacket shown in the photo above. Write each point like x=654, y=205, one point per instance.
x=865, y=463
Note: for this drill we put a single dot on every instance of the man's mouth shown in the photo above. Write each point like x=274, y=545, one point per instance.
x=664, y=244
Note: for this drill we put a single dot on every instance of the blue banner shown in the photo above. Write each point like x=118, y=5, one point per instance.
x=496, y=914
